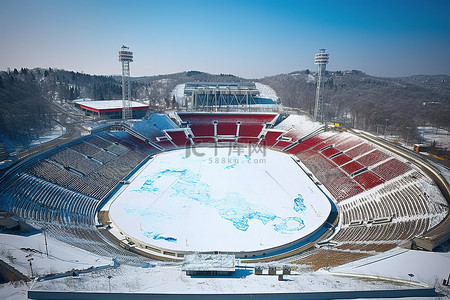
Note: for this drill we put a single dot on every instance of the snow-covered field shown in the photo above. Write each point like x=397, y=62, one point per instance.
x=16, y=250
x=266, y=91
x=426, y=267
x=159, y=277
x=294, y=121
x=56, y=132
x=220, y=199
x=430, y=134
x=178, y=92
x=170, y=279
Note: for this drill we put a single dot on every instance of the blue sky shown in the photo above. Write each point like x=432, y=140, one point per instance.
x=251, y=39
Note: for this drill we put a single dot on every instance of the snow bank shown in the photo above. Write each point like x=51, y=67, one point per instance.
x=178, y=92
x=52, y=134
x=430, y=134
x=427, y=267
x=266, y=91
x=170, y=279
x=16, y=250
x=300, y=122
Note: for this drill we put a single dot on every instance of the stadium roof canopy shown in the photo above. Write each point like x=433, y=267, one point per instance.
x=221, y=85
x=105, y=105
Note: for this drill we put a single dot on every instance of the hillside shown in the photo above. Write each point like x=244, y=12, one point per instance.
x=28, y=97
x=395, y=106
x=391, y=106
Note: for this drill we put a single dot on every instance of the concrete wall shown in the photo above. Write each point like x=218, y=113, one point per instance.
x=425, y=292
x=9, y=273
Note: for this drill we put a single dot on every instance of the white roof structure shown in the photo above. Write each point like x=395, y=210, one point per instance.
x=209, y=262
x=107, y=104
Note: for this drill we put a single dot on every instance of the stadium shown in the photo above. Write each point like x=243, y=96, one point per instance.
x=272, y=190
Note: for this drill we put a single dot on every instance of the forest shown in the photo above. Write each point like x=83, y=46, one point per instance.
x=387, y=106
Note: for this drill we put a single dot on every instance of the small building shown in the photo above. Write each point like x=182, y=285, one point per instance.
x=421, y=148
x=272, y=270
x=258, y=270
x=199, y=264
x=111, y=109
x=286, y=270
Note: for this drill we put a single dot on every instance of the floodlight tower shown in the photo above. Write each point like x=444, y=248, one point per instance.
x=126, y=57
x=320, y=59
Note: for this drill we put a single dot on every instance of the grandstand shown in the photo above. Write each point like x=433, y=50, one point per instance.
x=229, y=96
x=383, y=200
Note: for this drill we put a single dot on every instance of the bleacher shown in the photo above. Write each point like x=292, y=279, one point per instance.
x=179, y=137
x=391, y=169
x=3, y=152
x=382, y=219
x=270, y=136
x=310, y=142
x=154, y=126
x=344, y=163
x=65, y=185
x=63, y=189
x=33, y=198
x=212, y=127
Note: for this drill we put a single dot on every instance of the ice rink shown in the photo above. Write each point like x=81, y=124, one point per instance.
x=220, y=199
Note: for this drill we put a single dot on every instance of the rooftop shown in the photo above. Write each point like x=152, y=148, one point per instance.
x=209, y=262
x=107, y=104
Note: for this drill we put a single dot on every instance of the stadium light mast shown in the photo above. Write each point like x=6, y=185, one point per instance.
x=126, y=57
x=320, y=59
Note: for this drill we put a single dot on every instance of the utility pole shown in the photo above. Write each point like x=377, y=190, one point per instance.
x=45, y=239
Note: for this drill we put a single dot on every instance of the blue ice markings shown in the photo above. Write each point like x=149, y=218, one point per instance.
x=289, y=225
x=298, y=203
x=231, y=160
x=230, y=167
x=149, y=185
x=158, y=236
x=235, y=209
x=232, y=207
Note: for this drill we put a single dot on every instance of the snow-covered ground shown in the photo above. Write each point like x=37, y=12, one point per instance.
x=299, y=122
x=430, y=134
x=170, y=279
x=178, y=92
x=52, y=134
x=266, y=91
x=426, y=267
x=16, y=250
x=181, y=200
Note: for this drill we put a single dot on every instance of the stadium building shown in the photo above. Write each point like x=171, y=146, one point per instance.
x=111, y=109
x=262, y=187
x=211, y=96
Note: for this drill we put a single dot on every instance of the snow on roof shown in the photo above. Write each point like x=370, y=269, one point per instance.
x=107, y=104
x=302, y=122
x=208, y=262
